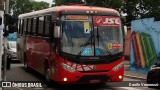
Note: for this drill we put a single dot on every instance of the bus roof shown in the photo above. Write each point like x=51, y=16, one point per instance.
x=70, y=8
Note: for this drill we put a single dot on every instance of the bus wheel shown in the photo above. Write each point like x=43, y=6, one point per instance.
x=27, y=69
x=47, y=75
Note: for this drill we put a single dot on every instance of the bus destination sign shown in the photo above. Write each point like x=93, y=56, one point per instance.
x=74, y=17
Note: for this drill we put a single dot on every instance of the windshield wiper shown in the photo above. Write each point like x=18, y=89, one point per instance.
x=102, y=42
x=85, y=45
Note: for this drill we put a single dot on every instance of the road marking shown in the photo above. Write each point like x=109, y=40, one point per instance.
x=130, y=88
x=39, y=88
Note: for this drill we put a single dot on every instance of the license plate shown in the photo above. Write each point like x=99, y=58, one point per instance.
x=95, y=81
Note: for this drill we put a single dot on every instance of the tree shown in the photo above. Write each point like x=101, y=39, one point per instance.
x=151, y=8
x=18, y=7
x=65, y=2
x=139, y=9
x=134, y=9
x=131, y=8
x=115, y=4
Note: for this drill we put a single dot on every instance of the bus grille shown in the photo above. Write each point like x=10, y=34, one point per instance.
x=94, y=71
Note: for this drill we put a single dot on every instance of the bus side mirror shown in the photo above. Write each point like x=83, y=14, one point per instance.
x=0, y=20
x=56, y=31
x=125, y=30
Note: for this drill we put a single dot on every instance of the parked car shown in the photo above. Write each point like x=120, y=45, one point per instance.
x=11, y=53
x=11, y=50
x=153, y=76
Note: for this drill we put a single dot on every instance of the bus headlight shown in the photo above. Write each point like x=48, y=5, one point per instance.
x=67, y=67
x=118, y=66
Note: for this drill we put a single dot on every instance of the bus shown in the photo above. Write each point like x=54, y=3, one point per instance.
x=73, y=44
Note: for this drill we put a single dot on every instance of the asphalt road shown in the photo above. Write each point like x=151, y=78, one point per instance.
x=17, y=73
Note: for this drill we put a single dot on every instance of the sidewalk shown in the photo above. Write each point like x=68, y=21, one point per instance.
x=132, y=74
x=135, y=75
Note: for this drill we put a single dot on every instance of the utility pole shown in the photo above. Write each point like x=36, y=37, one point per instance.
x=5, y=40
x=1, y=36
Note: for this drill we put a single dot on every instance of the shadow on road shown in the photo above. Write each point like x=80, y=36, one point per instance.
x=57, y=86
x=17, y=70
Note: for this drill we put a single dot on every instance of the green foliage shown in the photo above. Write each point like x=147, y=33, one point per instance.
x=134, y=9
x=130, y=7
x=152, y=8
x=116, y=4
x=18, y=7
x=65, y=2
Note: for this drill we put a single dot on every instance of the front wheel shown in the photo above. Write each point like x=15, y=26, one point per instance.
x=47, y=75
x=26, y=64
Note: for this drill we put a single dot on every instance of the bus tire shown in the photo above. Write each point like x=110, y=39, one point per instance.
x=47, y=75
x=27, y=69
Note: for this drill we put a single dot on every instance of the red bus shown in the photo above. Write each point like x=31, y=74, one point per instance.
x=79, y=44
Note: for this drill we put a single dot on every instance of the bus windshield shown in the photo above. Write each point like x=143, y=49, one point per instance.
x=81, y=36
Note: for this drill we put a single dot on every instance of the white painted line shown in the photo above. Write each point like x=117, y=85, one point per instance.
x=39, y=88
x=130, y=88
x=134, y=77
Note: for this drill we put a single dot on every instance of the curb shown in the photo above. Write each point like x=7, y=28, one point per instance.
x=134, y=77
x=126, y=67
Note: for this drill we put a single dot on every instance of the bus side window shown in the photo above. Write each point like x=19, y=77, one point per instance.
x=24, y=26
x=47, y=26
x=21, y=32
x=52, y=31
x=29, y=26
x=20, y=27
x=44, y=25
x=31, y=29
x=34, y=27
x=40, y=26
x=37, y=25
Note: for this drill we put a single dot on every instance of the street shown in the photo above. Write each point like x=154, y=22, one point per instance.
x=17, y=73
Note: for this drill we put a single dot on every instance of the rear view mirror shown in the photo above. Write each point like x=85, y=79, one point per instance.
x=125, y=30
x=56, y=31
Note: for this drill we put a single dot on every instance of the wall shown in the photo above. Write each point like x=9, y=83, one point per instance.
x=148, y=26
x=127, y=44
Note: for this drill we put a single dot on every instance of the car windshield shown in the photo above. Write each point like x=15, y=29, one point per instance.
x=12, y=44
x=79, y=37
